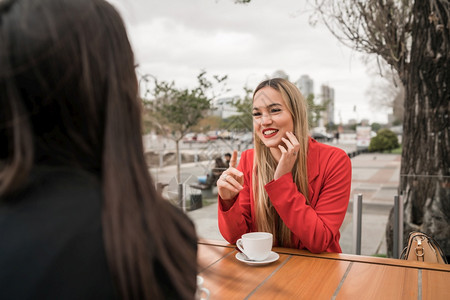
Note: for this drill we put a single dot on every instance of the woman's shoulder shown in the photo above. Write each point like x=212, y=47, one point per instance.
x=248, y=153
x=328, y=155
x=49, y=182
x=247, y=156
x=245, y=161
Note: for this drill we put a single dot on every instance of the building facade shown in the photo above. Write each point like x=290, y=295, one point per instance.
x=224, y=107
x=306, y=85
x=327, y=99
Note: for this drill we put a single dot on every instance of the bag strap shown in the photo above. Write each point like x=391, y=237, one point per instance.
x=434, y=245
x=407, y=249
x=438, y=248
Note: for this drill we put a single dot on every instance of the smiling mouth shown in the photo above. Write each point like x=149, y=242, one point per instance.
x=267, y=133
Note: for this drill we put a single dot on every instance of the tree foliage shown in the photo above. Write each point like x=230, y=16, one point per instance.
x=174, y=111
x=243, y=121
x=315, y=110
x=208, y=123
x=386, y=90
x=375, y=126
x=385, y=140
x=381, y=27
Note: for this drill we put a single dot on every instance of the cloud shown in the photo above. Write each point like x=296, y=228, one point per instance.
x=175, y=39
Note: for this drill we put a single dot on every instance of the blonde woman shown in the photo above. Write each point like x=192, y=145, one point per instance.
x=289, y=184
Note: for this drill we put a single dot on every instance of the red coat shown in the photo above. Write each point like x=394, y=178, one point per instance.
x=316, y=226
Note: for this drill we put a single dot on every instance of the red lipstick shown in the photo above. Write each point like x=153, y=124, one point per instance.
x=269, y=132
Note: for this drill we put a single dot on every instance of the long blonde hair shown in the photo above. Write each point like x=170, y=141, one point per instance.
x=267, y=218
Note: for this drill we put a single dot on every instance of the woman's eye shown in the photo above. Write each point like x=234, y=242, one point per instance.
x=275, y=110
x=256, y=114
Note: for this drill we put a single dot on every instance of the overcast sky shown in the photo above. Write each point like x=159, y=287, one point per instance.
x=176, y=39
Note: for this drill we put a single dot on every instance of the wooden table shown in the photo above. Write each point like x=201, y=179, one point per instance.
x=299, y=274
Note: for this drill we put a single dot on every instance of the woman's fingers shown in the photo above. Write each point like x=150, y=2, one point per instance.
x=293, y=140
x=230, y=183
x=290, y=149
x=233, y=160
x=291, y=143
x=288, y=155
x=233, y=176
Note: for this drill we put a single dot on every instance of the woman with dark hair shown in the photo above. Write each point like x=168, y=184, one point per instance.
x=219, y=167
x=289, y=184
x=79, y=214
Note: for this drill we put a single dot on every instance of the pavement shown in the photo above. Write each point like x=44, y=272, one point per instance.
x=375, y=176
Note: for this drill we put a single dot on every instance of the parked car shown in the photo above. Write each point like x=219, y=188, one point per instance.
x=189, y=137
x=202, y=138
x=224, y=135
x=320, y=137
x=212, y=135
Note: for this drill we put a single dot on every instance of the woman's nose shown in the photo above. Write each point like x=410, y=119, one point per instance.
x=266, y=119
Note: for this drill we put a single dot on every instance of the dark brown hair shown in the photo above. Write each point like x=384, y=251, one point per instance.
x=68, y=90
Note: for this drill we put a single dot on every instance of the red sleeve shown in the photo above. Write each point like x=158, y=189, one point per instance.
x=315, y=228
x=236, y=221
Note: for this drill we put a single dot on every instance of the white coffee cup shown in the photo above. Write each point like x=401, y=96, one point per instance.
x=256, y=245
x=202, y=293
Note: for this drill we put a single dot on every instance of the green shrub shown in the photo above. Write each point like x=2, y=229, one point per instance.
x=384, y=140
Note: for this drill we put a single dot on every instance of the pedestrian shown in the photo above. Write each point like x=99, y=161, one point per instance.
x=227, y=157
x=218, y=169
x=336, y=136
x=289, y=184
x=79, y=213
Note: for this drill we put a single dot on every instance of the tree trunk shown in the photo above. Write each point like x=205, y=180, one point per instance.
x=177, y=152
x=181, y=198
x=425, y=170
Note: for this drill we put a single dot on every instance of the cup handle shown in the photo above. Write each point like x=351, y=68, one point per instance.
x=206, y=292
x=239, y=245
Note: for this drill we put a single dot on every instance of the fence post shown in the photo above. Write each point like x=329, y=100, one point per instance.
x=396, y=248
x=357, y=219
x=181, y=197
x=400, y=224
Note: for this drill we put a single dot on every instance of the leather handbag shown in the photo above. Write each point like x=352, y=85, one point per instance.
x=422, y=247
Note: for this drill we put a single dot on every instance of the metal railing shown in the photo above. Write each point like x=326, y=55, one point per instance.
x=357, y=221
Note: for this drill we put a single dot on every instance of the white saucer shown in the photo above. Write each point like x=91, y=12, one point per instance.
x=273, y=256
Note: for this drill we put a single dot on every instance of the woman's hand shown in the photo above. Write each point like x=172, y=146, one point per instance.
x=231, y=181
x=288, y=155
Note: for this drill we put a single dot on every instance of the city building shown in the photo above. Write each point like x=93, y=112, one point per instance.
x=365, y=122
x=280, y=74
x=327, y=99
x=224, y=107
x=306, y=85
x=352, y=122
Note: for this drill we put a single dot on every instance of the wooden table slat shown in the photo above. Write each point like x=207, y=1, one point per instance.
x=368, y=259
x=302, y=278
x=229, y=278
x=435, y=285
x=379, y=282
x=208, y=255
x=346, y=257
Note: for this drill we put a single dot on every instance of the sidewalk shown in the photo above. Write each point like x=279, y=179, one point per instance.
x=375, y=176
